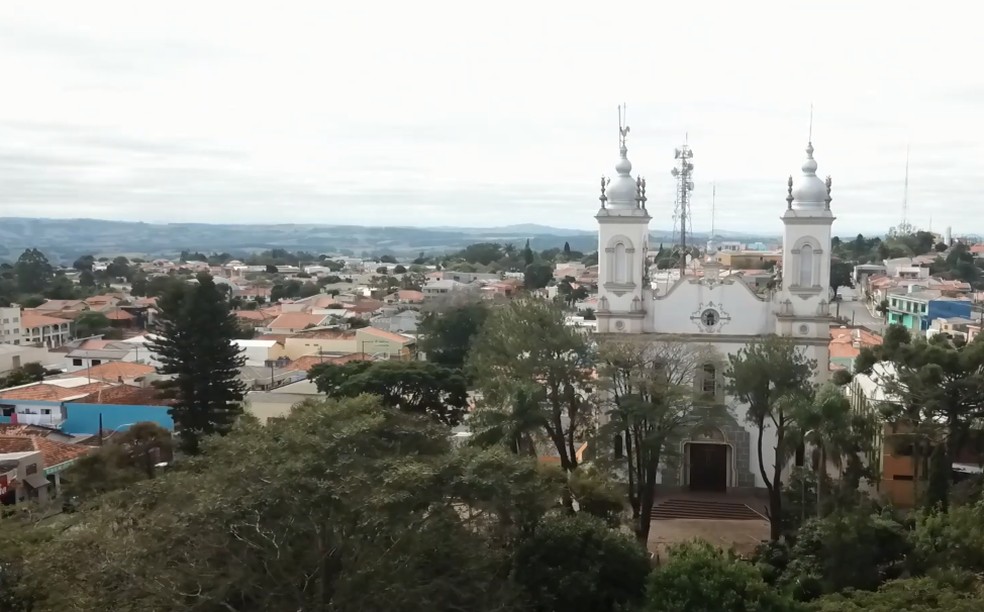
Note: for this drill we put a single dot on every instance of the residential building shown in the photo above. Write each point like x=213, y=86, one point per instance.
x=405, y=296
x=90, y=352
x=846, y=344
x=403, y=322
x=261, y=352
x=31, y=466
x=126, y=372
x=955, y=327
x=914, y=309
x=277, y=402
x=42, y=330
x=13, y=356
x=377, y=343
x=10, y=325
x=293, y=322
x=442, y=287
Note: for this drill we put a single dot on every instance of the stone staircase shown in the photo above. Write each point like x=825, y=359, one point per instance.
x=681, y=508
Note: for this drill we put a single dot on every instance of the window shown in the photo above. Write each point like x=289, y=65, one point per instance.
x=620, y=270
x=76, y=362
x=902, y=477
x=806, y=266
x=46, y=411
x=708, y=383
x=96, y=362
x=31, y=469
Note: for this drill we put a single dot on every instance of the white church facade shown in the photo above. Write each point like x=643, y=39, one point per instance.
x=719, y=314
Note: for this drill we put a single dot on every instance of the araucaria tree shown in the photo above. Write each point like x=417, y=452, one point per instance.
x=193, y=341
x=534, y=375
x=653, y=402
x=772, y=377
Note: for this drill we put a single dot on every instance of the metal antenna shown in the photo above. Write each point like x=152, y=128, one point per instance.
x=810, y=137
x=713, y=206
x=623, y=128
x=904, y=226
x=681, y=210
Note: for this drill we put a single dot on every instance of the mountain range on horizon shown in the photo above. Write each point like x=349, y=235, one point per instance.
x=65, y=239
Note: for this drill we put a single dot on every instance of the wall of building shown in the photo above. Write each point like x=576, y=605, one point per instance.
x=31, y=412
x=945, y=309
x=84, y=418
x=742, y=312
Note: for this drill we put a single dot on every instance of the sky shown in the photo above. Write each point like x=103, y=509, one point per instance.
x=433, y=113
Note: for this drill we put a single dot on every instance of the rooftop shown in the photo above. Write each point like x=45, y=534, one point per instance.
x=51, y=390
x=296, y=320
x=53, y=453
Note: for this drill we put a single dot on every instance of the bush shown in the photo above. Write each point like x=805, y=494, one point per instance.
x=700, y=578
x=956, y=594
x=950, y=540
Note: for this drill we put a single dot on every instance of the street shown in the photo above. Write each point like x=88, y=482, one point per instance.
x=856, y=312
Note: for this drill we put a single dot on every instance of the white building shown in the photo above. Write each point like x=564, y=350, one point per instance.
x=722, y=315
x=10, y=325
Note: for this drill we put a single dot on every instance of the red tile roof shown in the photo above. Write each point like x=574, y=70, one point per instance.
x=118, y=314
x=126, y=395
x=296, y=320
x=251, y=315
x=114, y=370
x=379, y=333
x=309, y=361
x=48, y=392
x=52, y=453
x=30, y=318
x=842, y=342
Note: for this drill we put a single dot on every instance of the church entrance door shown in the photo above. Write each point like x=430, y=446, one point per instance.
x=708, y=467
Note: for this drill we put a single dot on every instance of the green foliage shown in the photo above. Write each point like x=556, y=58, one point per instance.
x=341, y=506
x=418, y=387
x=533, y=372
x=195, y=329
x=577, y=564
x=950, y=594
x=123, y=459
x=33, y=271
x=90, y=323
x=840, y=275
x=845, y=550
x=771, y=376
x=950, y=540
x=537, y=275
x=26, y=374
x=446, y=336
x=700, y=578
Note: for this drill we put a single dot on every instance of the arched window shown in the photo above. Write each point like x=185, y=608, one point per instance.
x=708, y=382
x=620, y=263
x=806, y=266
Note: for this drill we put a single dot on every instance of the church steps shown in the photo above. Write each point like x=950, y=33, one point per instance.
x=703, y=509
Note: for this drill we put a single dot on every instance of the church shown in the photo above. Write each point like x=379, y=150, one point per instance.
x=720, y=313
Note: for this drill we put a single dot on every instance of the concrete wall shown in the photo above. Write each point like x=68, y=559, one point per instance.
x=84, y=418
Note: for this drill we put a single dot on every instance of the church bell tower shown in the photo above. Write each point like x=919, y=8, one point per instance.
x=623, y=244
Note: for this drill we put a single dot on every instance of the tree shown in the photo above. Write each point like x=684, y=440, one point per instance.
x=531, y=367
x=939, y=388
x=387, y=259
x=61, y=288
x=87, y=279
x=120, y=461
x=272, y=269
x=567, y=251
x=399, y=269
x=700, y=578
x=446, y=336
x=418, y=387
x=537, y=275
x=771, y=376
x=915, y=594
x=840, y=275
x=309, y=289
x=195, y=329
x=119, y=268
x=90, y=323
x=577, y=564
x=940, y=247
x=653, y=405
x=311, y=512
x=84, y=263
x=528, y=253
x=33, y=271
x=26, y=374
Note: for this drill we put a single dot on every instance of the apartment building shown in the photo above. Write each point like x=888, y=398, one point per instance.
x=10, y=326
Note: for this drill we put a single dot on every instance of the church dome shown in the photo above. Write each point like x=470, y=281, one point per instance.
x=622, y=191
x=809, y=191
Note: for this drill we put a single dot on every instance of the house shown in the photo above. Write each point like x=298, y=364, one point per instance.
x=112, y=371
x=275, y=403
x=304, y=364
x=377, y=343
x=30, y=466
x=846, y=344
x=955, y=327
x=252, y=318
x=405, y=296
x=441, y=287
x=50, y=306
x=13, y=356
x=915, y=309
x=43, y=330
x=292, y=322
x=261, y=352
x=403, y=322
x=10, y=325
x=268, y=377
x=90, y=352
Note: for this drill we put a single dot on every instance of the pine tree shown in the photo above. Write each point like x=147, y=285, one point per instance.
x=195, y=329
x=527, y=253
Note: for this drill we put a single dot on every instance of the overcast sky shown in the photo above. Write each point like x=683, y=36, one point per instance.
x=480, y=114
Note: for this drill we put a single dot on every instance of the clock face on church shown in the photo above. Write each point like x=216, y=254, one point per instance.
x=710, y=317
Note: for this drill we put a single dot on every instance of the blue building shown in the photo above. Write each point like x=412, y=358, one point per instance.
x=915, y=310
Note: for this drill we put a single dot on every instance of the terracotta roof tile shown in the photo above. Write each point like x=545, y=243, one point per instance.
x=842, y=342
x=54, y=393
x=114, y=370
x=126, y=395
x=251, y=315
x=52, y=453
x=30, y=318
x=379, y=333
x=296, y=320
x=309, y=361
x=118, y=314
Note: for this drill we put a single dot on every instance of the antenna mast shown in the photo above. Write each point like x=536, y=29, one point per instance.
x=904, y=227
x=714, y=191
x=681, y=209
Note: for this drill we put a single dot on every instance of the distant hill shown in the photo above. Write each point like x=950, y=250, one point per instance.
x=65, y=239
